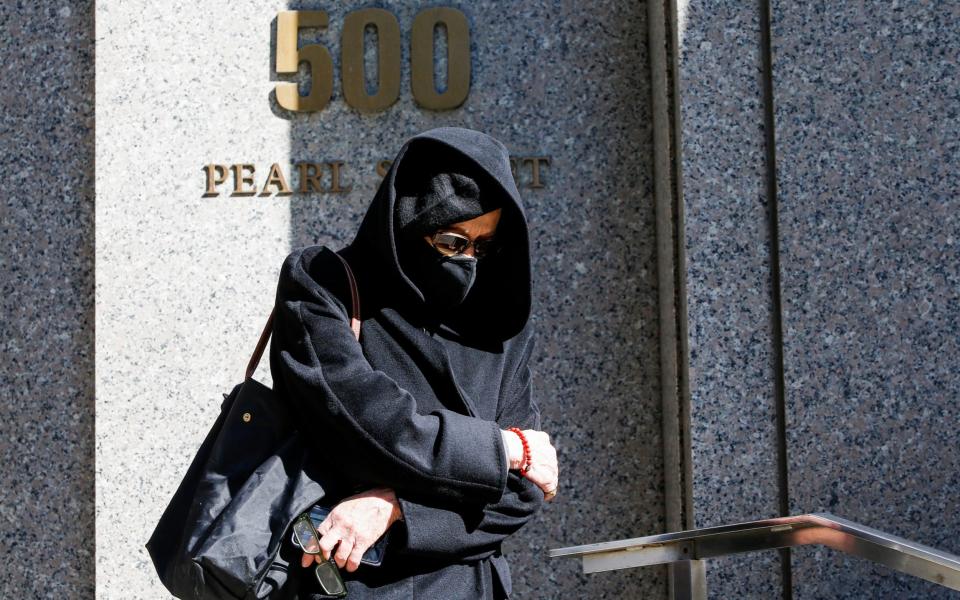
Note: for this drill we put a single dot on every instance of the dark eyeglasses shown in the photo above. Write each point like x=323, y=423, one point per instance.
x=450, y=243
x=327, y=572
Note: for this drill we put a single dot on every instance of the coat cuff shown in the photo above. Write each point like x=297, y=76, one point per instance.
x=420, y=528
x=481, y=459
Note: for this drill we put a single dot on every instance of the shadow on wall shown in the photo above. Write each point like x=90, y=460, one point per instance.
x=592, y=237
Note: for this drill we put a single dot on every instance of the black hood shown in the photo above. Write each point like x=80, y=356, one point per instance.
x=498, y=304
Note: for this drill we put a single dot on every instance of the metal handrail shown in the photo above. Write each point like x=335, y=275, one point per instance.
x=829, y=530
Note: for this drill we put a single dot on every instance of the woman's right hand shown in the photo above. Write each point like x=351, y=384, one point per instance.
x=543, y=469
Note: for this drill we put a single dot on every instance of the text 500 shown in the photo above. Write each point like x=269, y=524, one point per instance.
x=352, y=77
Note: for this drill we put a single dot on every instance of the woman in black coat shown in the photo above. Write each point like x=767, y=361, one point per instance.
x=414, y=416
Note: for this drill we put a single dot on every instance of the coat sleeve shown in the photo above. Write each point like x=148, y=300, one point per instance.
x=474, y=531
x=365, y=423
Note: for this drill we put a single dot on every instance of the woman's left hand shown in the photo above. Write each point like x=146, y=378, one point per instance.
x=354, y=525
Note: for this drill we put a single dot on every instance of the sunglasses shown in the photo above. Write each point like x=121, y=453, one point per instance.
x=327, y=572
x=450, y=243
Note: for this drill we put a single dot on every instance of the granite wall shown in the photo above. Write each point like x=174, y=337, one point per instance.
x=46, y=298
x=865, y=108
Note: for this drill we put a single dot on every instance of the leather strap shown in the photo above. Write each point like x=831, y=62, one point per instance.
x=264, y=337
x=355, y=296
x=268, y=328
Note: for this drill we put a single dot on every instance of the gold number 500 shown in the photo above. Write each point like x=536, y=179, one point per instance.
x=352, y=77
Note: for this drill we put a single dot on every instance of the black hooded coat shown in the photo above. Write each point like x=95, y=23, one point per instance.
x=418, y=403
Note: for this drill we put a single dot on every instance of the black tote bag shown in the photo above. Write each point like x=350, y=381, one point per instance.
x=221, y=534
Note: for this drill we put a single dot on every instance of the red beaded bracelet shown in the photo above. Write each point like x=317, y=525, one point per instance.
x=525, y=463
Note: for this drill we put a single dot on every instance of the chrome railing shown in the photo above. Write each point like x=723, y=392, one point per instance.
x=781, y=532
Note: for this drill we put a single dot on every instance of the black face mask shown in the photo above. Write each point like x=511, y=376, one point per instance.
x=444, y=280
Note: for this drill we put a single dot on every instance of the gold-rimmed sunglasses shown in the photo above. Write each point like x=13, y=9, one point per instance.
x=327, y=572
x=450, y=243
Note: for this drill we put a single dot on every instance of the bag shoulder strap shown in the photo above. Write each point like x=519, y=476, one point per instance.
x=354, y=296
x=268, y=328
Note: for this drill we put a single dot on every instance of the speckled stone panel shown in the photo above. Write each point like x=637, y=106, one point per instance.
x=184, y=283
x=571, y=81
x=868, y=96
x=733, y=427
x=46, y=295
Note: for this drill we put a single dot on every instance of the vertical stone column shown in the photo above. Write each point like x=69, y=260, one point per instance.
x=185, y=280
x=46, y=278
x=733, y=433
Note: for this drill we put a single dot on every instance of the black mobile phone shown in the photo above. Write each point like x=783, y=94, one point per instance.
x=374, y=554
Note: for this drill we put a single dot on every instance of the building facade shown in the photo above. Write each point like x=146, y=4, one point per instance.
x=744, y=231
